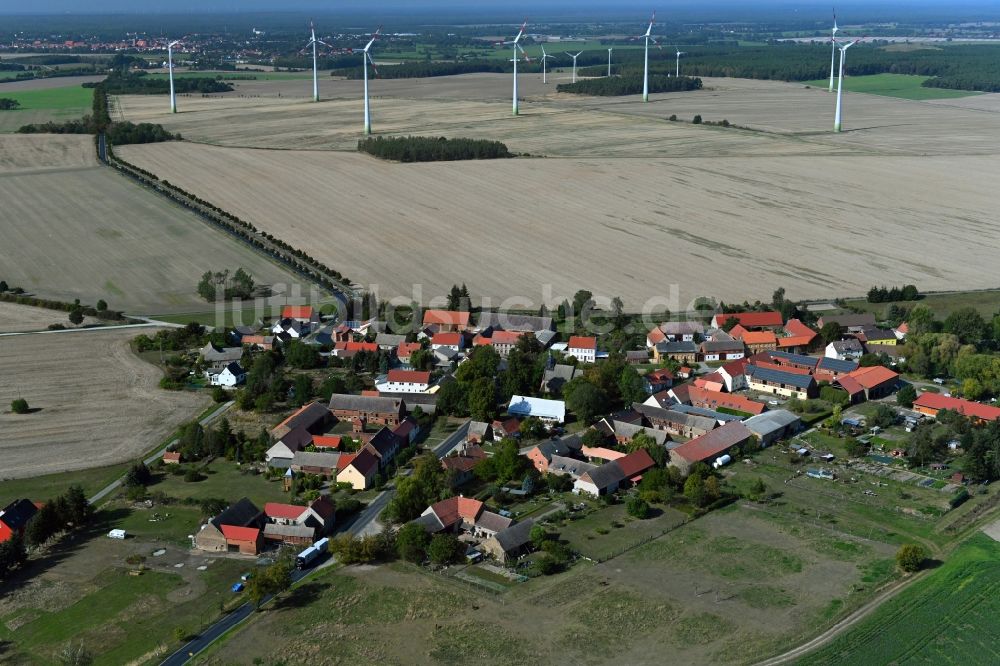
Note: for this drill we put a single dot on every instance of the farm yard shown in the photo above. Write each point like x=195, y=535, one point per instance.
x=82, y=231
x=97, y=403
x=775, y=221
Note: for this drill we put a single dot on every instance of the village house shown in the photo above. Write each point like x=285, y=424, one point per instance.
x=299, y=525
x=463, y=514
x=502, y=341
x=258, y=342
x=306, y=315
x=549, y=411
x=582, y=348
x=878, y=336
x=14, y=518
x=460, y=465
x=510, y=542
x=284, y=449
x=845, y=350
x=682, y=352
x=448, y=321
x=389, y=341
x=316, y=463
x=359, y=470
x=384, y=445
x=288, y=329
x=558, y=376
x=479, y=432
x=721, y=350
x=229, y=376
x=674, y=422
x=503, y=428
x=220, y=356
x=733, y=376
x=350, y=348
x=658, y=380
x=682, y=331
x=868, y=383
x=850, y=323
x=505, y=321
x=797, y=337
x=777, y=381
x=404, y=381
x=774, y=425
x=454, y=342
x=607, y=478
x=758, y=341
x=235, y=530
x=171, y=457
x=750, y=320
x=362, y=410
x=715, y=400
x=710, y=446
x=405, y=350
x=312, y=418
x=544, y=452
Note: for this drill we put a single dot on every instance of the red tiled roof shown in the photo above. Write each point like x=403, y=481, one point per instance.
x=297, y=312
x=728, y=400
x=481, y=341
x=364, y=461
x=656, y=335
x=966, y=407
x=601, y=452
x=713, y=442
x=448, y=339
x=752, y=319
x=873, y=376
x=410, y=376
x=659, y=375
x=903, y=328
x=735, y=368
x=795, y=328
x=506, y=337
x=344, y=460
x=796, y=341
x=453, y=509
x=634, y=463
x=350, y=345
x=849, y=384
x=581, y=342
x=327, y=441
x=448, y=317
x=234, y=533
x=172, y=455
x=286, y=511
x=406, y=348
x=759, y=338
x=790, y=369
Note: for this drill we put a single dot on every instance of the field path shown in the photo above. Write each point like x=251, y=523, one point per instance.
x=845, y=624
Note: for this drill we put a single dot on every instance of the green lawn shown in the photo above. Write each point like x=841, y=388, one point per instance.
x=905, y=86
x=607, y=531
x=949, y=617
x=51, y=485
x=223, y=480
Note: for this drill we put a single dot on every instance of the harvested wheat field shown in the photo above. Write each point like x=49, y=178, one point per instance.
x=83, y=231
x=732, y=228
x=97, y=402
x=16, y=318
x=786, y=118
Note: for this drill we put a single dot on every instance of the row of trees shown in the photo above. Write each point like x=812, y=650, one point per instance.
x=420, y=70
x=17, y=295
x=427, y=149
x=631, y=84
x=67, y=511
x=139, y=83
x=882, y=295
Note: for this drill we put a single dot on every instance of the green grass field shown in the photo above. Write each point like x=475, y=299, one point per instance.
x=949, y=617
x=51, y=485
x=39, y=106
x=987, y=302
x=904, y=86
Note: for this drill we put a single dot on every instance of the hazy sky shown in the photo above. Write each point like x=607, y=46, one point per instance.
x=459, y=6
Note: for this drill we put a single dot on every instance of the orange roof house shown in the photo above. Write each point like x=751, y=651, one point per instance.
x=447, y=320
x=749, y=320
x=932, y=403
x=245, y=540
x=327, y=441
x=581, y=342
x=303, y=313
x=172, y=457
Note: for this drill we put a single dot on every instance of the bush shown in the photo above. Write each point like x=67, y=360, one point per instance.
x=192, y=475
x=427, y=149
x=19, y=406
x=697, y=120
x=637, y=508
x=910, y=557
x=629, y=85
x=220, y=394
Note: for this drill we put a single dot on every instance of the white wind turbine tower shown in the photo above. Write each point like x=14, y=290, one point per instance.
x=367, y=58
x=648, y=36
x=574, y=57
x=833, y=47
x=840, y=82
x=609, y=61
x=313, y=42
x=677, y=71
x=516, y=43
x=545, y=56
x=170, y=73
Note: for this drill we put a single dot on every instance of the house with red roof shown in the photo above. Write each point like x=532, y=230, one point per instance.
x=448, y=340
x=750, y=320
x=582, y=348
x=350, y=348
x=759, y=341
x=243, y=540
x=710, y=446
x=874, y=381
x=658, y=380
x=14, y=518
x=405, y=350
x=462, y=514
x=404, y=381
x=304, y=314
x=502, y=341
x=610, y=476
x=446, y=320
x=797, y=337
x=358, y=470
x=710, y=382
x=932, y=403
x=732, y=375
x=716, y=400
x=235, y=530
x=460, y=465
x=171, y=457
x=327, y=442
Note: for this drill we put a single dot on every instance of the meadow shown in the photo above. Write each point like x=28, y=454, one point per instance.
x=903, y=86
x=45, y=104
x=948, y=617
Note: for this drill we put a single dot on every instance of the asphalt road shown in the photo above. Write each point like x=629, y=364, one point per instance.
x=159, y=454
x=366, y=520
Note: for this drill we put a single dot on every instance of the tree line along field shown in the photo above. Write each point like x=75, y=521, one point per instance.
x=948, y=617
x=622, y=227
x=904, y=86
x=82, y=231
x=95, y=402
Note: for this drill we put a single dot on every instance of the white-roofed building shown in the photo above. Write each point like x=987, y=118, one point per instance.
x=550, y=411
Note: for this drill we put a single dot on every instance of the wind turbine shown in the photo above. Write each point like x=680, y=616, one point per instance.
x=677, y=71
x=833, y=47
x=516, y=43
x=313, y=42
x=574, y=57
x=364, y=65
x=545, y=56
x=609, y=61
x=840, y=83
x=648, y=36
x=170, y=73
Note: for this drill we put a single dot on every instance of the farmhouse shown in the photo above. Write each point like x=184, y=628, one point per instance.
x=448, y=340
x=350, y=348
x=285, y=448
x=870, y=383
x=542, y=455
x=505, y=321
x=462, y=514
x=212, y=354
x=878, y=336
x=682, y=331
x=797, y=336
x=235, y=530
x=510, y=542
x=320, y=464
x=303, y=314
x=502, y=341
x=773, y=426
x=313, y=418
x=362, y=410
x=549, y=411
x=851, y=323
x=758, y=341
x=932, y=403
x=721, y=350
x=446, y=320
x=171, y=457
x=405, y=350
x=14, y=518
x=460, y=465
x=289, y=329
x=658, y=380
x=582, y=348
x=608, y=477
x=750, y=320
x=404, y=381
x=384, y=446
x=298, y=525
x=845, y=350
x=259, y=342
x=674, y=422
x=682, y=352
x=716, y=400
x=780, y=382
x=709, y=446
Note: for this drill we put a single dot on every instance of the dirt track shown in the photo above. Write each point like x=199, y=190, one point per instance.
x=98, y=403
